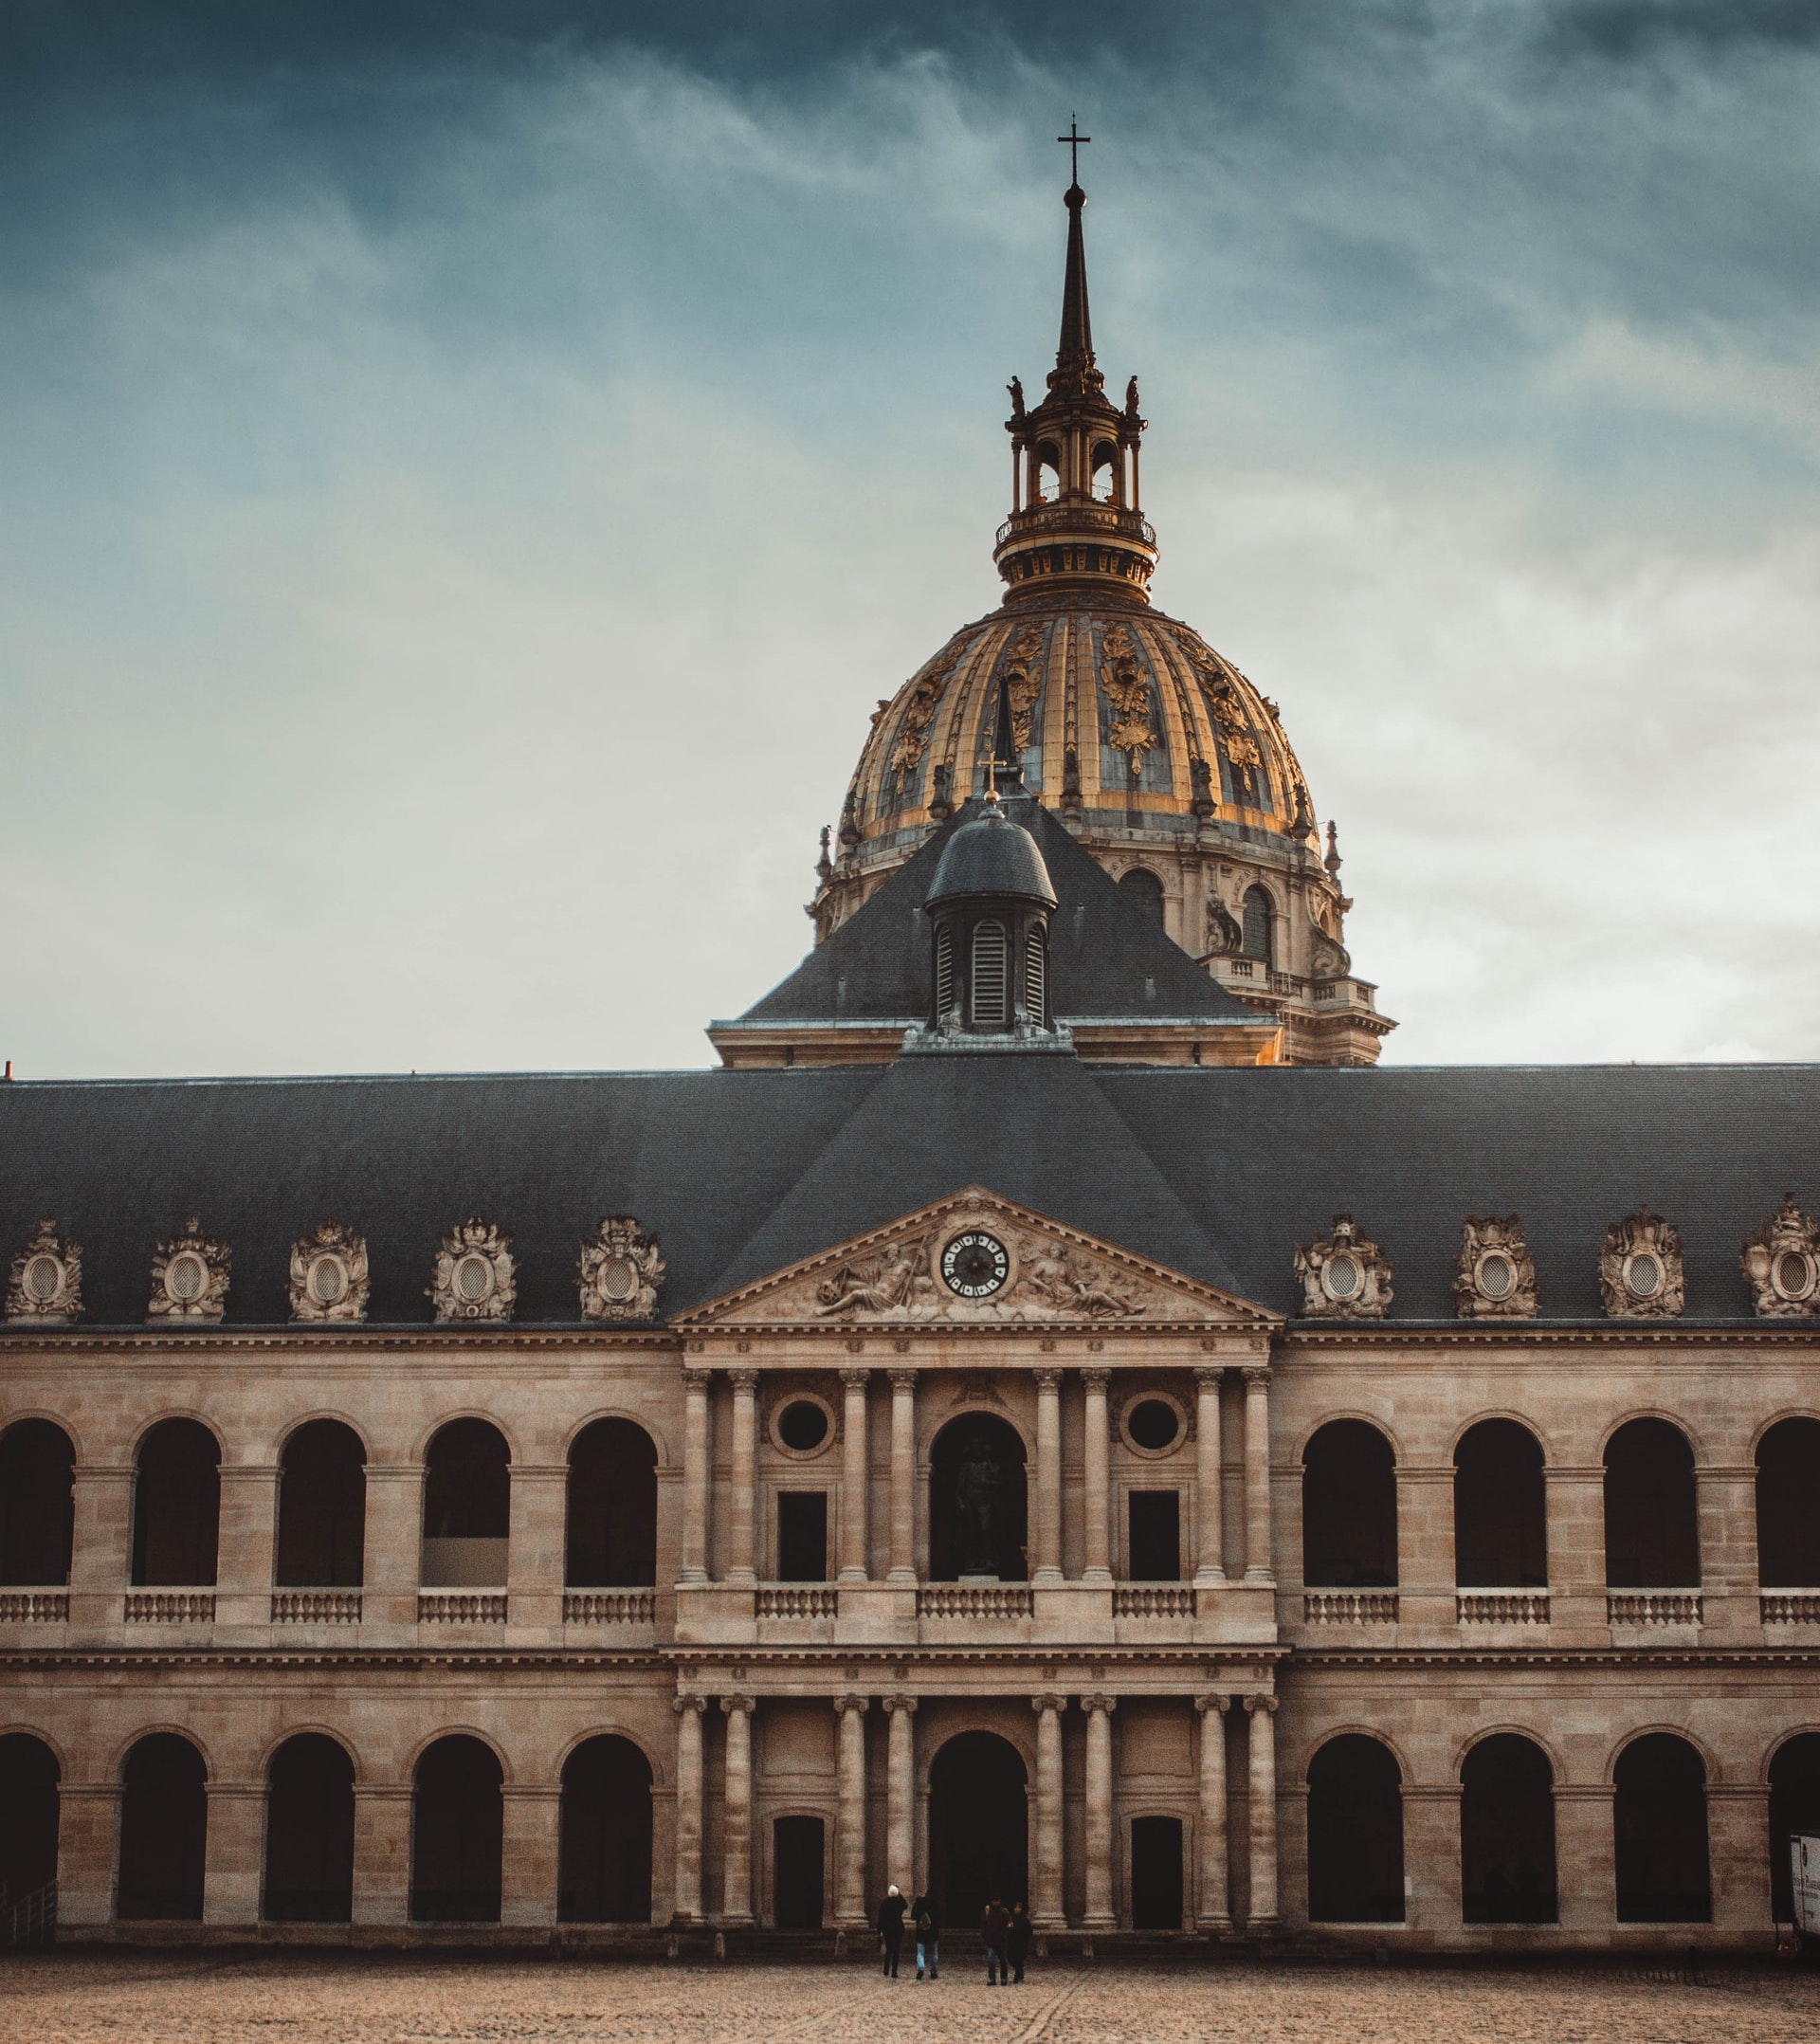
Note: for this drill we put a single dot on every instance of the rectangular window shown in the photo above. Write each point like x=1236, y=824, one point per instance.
x=802, y=1536
x=1154, y=1553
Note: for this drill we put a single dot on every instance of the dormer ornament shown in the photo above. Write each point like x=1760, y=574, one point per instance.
x=1781, y=1264
x=1640, y=1268
x=1497, y=1278
x=474, y=1273
x=1344, y=1275
x=329, y=1274
x=188, y=1276
x=621, y=1271
x=46, y=1278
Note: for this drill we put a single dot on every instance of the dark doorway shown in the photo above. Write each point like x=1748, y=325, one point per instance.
x=1659, y=1817
x=177, y=1504
x=1652, y=1526
x=978, y=1500
x=796, y=1873
x=29, y=1813
x=164, y=1831
x=309, y=1833
x=322, y=1508
x=1794, y=1805
x=1788, y=1507
x=456, y=1833
x=37, y=1503
x=1156, y=1873
x=605, y=1874
x=1349, y=1508
x=1156, y=1542
x=612, y=1507
x=1354, y=1832
x=802, y=1536
x=468, y=1506
x=1507, y=1832
x=1500, y=1510
x=978, y=1838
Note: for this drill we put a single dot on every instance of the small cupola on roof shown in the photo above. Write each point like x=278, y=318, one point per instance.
x=989, y=910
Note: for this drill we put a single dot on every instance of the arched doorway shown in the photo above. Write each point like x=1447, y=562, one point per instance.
x=37, y=1508
x=1349, y=1508
x=1354, y=1832
x=1507, y=1832
x=1794, y=1805
x=164, y=1831
x=309, y=1833
x=612, y=1507
x=457, y=1834
x=978, y=1501
x=605, y=1873
x=1659, y=1814
x=978, y=1827
x=29, y=1774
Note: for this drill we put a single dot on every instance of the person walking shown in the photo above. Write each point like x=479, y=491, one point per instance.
x=1017, y=1941
x=928, y=1930
x=891, y=1928
x=996, y=1924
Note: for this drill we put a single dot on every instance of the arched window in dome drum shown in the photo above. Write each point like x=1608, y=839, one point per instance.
x=1258, y=929
x=1035, y=979
x=1144, y=891
x=988, y=972
x=944, y=971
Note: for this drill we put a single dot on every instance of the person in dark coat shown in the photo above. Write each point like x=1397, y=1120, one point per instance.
x=891, y=1929
x=927, y=1926
x=996, y=1924
x=1017, y=1941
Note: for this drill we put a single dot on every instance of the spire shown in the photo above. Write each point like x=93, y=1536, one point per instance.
x=1074, y=352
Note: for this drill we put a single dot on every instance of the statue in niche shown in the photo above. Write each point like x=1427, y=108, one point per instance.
x=976, y=1487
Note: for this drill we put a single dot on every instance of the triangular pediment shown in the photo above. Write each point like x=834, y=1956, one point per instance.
x=926, y=1267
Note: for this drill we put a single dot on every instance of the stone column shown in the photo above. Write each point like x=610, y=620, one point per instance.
x=1209, y=1506
x=234, y=1852
x=695, y=1476
x=1257, y=1478
x=535, y=1555
x=1046, y=1890
x=382, y=1853
x=1426, y=1592
x=1738, y=1832
x=1576, y=1556
x=1213, y=1910
x=394, y=1551
x=901, y=1794
x=246, y=1545
x=849, y=1840
x=735, y=1891
x=1100, y=1914
x=88, y=1829
x=903, y=1476
x=529, y=1852
x=1727, y=1507
x=1586, y=1861
x=1431, y=1857
x=855, y=1478
x=741, y=1518
x=1048, y=1477
x=688, y=1807
x=1096, y=1551
x=100, y=1560
x=1262, y=1914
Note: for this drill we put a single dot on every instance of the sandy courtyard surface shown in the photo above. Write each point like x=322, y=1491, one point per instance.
x=118, y=1998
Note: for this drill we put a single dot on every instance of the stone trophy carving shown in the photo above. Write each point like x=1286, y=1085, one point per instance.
x=329, y=1274
x=1640, y=1268
x=474, y=1276
x=46, y=1281
x=1497, y=1278
x=977, y=1480
x=1344, y=1275
x=1781, y=1264
x=621, y=1271
x=188, y=1276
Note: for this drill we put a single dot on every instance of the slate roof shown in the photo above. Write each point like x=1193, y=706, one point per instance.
x=1215, y=1172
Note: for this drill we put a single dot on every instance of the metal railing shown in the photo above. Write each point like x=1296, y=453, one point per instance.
x=461, y=1606
x=799, y=1601
x=30, y=1920
x=609, y=1607
x=1349, y=1607
x=34, y=1606
x=170, y=1607
x=1501, y=1607
x=1153, y=1600
x=1653, y=1607
x=316, y=1607
x=973, y=1601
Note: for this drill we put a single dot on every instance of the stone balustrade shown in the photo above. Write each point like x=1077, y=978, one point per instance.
x=316, y=1607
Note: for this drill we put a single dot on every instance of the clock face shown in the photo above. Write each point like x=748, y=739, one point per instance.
x=975, y=1265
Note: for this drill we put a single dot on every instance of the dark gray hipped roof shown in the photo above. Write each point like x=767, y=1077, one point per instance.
x=989, y=855
x=1107, y=959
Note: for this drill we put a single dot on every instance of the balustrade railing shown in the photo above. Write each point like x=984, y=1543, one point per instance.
x=1789, y=1607
x=316, y=1607
x=1653, y=1607
x=34, y=1606
x=170, y=1607
x=1153, y=1600
x=609, y=1607
x=1502, y=1607
x=799, y=1601
x=461, y=1606
x=973, y=1601
x=1349, y=1607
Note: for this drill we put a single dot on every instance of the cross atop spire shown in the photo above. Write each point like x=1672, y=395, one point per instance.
x=1075, y=139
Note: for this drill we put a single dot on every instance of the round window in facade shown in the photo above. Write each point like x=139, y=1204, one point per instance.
x=328, y=1280
x=1154, y=1425
x=1497, y=1274
x=44, y=1280
x=618, y=1279
x=186, y=1277
x=1643, y=1275
x=473, y=1278
x=1342, y=1277
x=803, y=1426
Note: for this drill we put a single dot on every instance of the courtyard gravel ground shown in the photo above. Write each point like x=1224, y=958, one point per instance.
x=125, y=1997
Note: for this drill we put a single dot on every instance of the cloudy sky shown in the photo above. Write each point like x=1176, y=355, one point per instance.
x=468, y=471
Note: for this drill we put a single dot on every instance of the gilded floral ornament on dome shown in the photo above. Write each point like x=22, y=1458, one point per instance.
x=1640, y=1268
x=919, y=711
x=1497, y=1274
x=1127, y=689
x=46, y=1281
x=1781, y=1264
x=621, y=1271
x=188, y=1276
x=475, y=1277
x=329, y=1278
x=1021, y=676
x=1344, y=1275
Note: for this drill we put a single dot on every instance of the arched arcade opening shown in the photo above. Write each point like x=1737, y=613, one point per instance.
x=978, y=1501
x=1788, y=1506
x=605, y=1871
x=164, y=1831
x=1651, y=1520
x=1794, y=1806
x=1507, y=1832
x=309, y=1833
x=1349, y=1508
x=37, y=1503
x=177, y=1504
x=1354, y=1832
x=612, y=1507
x=1659, y=1818
x=28, y=1814
x=457, y=1833
x=978, y=1826
x=468, y=1506
x=321, y=1508
x=1500, y=1508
